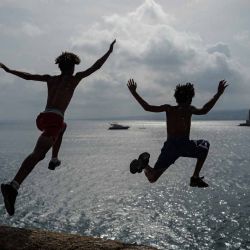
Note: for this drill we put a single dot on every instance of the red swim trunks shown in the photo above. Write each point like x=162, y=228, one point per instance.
x=51, y=124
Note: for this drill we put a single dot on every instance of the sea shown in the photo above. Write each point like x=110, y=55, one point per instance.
x=93, y=193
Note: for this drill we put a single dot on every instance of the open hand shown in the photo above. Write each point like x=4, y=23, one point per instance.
x=132, y=85
x=112, y=45
x=222, y=86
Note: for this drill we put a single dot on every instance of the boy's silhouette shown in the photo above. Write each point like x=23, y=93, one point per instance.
x=178, y=130
x=51, y=121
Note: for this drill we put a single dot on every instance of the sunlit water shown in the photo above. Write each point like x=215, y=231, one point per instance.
x=93, y=192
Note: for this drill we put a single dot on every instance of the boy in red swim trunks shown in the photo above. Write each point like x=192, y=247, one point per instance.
x=178, y=143
x=51, y=121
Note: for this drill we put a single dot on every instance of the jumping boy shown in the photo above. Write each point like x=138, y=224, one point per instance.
x=178, y=129
x=51, y=121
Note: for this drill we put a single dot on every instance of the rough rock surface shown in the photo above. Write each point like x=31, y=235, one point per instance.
x=25, y=239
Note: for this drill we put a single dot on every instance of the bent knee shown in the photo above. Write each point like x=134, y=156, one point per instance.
x=204, y=148
x=204, y=144
x=207, y=144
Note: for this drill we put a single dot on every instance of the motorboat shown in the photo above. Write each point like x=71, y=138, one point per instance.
x=114, y=126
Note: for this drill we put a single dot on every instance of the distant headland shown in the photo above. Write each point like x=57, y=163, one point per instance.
x=247, y=123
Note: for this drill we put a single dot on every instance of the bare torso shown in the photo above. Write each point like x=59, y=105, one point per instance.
x=178, y=121
x=60, y=91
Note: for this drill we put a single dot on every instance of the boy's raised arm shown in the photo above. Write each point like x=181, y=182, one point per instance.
x=97, y=65
x=24, y=75
x=209, y=105
x=132, y=87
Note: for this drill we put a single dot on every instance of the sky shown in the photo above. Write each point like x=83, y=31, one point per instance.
x=160, y=43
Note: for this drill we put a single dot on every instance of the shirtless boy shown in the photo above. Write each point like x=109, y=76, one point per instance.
x=178, y=143
x=51, y=121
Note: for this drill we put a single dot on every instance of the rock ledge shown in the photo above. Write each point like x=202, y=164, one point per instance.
x=26, y=239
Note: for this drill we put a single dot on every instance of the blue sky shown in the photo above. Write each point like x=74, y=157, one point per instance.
x=160, y=43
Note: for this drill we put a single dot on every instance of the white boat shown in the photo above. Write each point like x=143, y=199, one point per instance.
x=114, y=126
x=247, y=123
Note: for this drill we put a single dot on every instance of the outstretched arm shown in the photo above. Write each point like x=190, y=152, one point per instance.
x=97, y=65
x=24, y=75
x=209, y=105
x=132, y=87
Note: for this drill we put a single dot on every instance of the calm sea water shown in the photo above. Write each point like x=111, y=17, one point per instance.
x=93, y=192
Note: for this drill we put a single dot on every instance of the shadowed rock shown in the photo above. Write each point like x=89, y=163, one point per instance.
x=25, y=239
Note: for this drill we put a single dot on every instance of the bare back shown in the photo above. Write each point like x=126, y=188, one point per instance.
x=60, y=91
x=178, y=120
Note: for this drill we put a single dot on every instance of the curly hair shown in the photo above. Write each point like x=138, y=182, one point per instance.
x=67, y=60
x=184, y=93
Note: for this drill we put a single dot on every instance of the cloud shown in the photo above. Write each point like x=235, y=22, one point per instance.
x=21, y=99
x=16, y=21
x=31, y=29
x=152, y=47
x=11, y=16
x=220, y=48
x=159, y=56
x=243, y=38
x=23, y=29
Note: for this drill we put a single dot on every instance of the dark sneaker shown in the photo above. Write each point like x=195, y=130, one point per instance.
x=54, y=164
x=136, y=166
x=9, y=195
x=198, y=182
x=144, y=157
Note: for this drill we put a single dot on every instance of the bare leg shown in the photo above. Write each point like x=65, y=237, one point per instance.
x=199, y=164
x=42, y=147
x=57, y=145
x=195, y=180
x=9, y=190
x=152, y=174
x=55, y=162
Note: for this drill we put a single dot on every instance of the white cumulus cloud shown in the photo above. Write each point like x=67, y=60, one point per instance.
x=159, y=56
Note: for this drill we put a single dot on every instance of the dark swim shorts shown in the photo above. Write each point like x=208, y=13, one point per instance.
x=51, y=124
x=176, y=147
